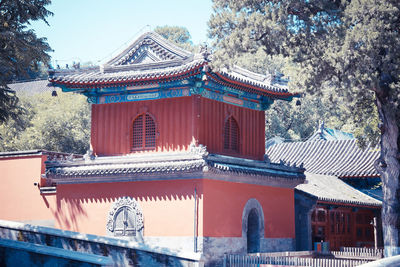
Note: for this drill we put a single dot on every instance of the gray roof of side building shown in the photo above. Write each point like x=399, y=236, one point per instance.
x=332, y=189
x=341, y=158
x=39, y=152
x=31, y=87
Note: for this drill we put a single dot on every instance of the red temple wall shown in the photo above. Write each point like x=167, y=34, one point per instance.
x=179, y=121
x=111, y=125
x=251, y=128
x=224, y=203
x=20, y=198
x=167, y=206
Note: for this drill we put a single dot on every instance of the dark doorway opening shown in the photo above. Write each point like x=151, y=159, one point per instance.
x=253, y=232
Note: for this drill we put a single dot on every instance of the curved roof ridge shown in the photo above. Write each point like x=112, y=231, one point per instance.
x=157, y=40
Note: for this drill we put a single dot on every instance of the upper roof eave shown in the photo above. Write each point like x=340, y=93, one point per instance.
x=116, y=72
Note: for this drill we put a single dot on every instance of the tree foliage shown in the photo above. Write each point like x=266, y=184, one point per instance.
x=177, y=35
x=21, y=51
x=344, y=50
x=290, y=120
x=295, y=122
x=53, y=123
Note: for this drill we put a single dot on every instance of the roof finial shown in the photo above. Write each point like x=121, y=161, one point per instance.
x=321, y=128
x=204, y=52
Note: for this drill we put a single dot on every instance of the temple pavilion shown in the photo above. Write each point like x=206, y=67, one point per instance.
x=177, y=155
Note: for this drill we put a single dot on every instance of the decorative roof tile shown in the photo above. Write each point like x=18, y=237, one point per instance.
x=149, y=47
x=125, y=74
x=151, y=58
x=163, y=165
x=255, y=79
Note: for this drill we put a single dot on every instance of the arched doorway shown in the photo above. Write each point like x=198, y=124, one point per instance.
x=253, y=226
x=253, y=232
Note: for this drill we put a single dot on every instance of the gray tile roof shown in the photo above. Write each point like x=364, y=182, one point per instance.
x=31, y=87
x=332, y=189
x=125, y=73
x=342, y=158
x=255, y=79
x=39, y=152
x=138, y=166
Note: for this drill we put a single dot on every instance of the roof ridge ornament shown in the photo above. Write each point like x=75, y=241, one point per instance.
x=204, y=53
x=198, y=150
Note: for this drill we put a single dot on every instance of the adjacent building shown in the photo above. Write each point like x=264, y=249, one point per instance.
x=340, y=202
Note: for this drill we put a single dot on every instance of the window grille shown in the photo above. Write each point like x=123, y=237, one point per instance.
x=144, y=133
x=231, y=135
x=150, y=135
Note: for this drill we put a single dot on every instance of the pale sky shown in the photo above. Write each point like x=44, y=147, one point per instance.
x=94, y=30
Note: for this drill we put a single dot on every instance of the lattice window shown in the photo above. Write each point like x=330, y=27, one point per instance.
x=150, y=134
x=144, y=133
x=231, y=135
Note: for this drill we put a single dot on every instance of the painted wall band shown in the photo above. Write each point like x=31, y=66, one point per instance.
x=171, y=93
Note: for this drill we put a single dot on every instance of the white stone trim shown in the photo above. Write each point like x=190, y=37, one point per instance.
x=134, y=206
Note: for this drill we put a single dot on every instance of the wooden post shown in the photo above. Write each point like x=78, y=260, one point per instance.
x=195, y=221
x=375, y=232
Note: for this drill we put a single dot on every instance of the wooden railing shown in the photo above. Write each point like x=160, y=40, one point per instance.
x=359, y=252
x=255, y=261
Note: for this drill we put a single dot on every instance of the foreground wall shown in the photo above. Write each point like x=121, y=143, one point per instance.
x=20, y=197
x=190, y=215
x=120, y=252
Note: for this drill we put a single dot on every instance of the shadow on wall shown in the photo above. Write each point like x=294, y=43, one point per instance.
x=77, y=203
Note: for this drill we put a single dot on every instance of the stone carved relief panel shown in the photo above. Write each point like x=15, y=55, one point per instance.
x=125, y=218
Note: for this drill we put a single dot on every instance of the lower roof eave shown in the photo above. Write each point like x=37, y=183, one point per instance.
x=256, y=179
x=264, y=180
x=58, y=179
x=349, y=204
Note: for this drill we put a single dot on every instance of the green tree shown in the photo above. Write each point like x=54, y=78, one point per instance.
x=290, y=120
x=345, y=50
x=178, y=35
x=53, y=123
x=21, y=51
x=298, y=122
